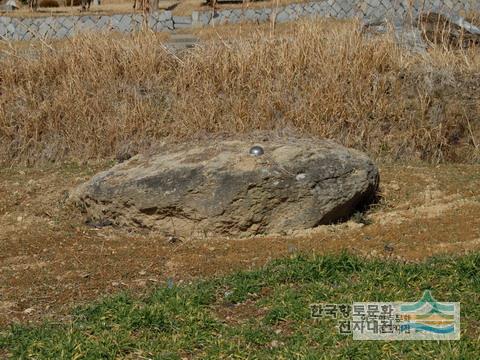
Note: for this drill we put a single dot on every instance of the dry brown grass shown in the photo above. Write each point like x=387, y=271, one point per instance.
x=439, y=30
x=65, y=9
x=109, y=7
x=94, y=98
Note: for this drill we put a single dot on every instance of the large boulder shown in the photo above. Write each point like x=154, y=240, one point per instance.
x=220, y=188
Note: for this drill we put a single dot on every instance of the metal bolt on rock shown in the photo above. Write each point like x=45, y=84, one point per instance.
x=256, y=151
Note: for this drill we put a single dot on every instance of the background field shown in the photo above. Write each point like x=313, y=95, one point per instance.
x=72, y=108
x=261, y=314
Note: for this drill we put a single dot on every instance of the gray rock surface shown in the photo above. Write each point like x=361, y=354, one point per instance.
x=396, y=11
x=219, y=188
x=9, y=5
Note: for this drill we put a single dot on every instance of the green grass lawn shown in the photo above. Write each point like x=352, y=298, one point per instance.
x=261, y=314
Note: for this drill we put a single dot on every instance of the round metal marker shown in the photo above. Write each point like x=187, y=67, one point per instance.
x=256, y=150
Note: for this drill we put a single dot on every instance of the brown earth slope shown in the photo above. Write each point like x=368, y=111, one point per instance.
x=50, y=260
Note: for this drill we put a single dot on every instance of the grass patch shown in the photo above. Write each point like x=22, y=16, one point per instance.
x=260, y=314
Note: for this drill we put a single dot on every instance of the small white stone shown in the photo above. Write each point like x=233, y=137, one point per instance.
x=275, y=344
x=394, y=186
x=300, y=176
x=29, y=311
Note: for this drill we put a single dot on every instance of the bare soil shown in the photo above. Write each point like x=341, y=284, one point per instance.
x=50, y=260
